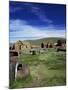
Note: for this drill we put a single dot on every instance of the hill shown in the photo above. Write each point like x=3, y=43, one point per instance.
x=45, y=40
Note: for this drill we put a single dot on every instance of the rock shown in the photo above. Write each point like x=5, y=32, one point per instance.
x=22, y=71
x=22, y=45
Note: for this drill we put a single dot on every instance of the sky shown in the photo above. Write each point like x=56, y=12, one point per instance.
x=30, y=21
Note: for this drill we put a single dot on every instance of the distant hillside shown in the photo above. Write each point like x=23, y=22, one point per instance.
x=45, y=40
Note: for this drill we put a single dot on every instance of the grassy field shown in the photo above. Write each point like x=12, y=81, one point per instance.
x=46, y=69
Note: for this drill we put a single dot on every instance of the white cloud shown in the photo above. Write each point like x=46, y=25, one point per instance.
x=21, y=30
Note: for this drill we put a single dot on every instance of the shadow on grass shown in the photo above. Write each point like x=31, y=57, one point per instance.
x=21, y=82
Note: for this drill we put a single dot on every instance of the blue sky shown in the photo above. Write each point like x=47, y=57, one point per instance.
x=29, y=21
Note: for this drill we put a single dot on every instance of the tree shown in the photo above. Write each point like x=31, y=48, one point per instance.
x=33, y=52
x=47, y=45
x=50, y=46
x=42, y=45
x=59, y=43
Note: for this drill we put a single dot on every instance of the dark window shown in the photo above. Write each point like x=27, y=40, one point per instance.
x=13, y=54
x=19, y=67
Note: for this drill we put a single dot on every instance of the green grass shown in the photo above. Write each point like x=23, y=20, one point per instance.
x=22, y=82
x=47, y=69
